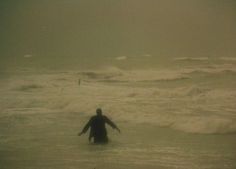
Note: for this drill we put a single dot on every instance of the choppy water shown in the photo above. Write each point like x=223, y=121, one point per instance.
x=183, y=117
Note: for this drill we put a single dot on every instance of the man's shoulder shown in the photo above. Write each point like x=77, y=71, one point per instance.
x=93, y=117
x=99, y=117
x=105, y=117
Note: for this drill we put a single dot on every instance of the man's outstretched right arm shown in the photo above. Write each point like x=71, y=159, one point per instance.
x=86, y=127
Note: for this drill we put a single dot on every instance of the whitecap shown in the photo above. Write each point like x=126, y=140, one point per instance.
x=121, y=58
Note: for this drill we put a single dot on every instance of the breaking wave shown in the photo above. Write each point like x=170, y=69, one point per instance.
x=28, y=87
x=189, y=106
x=206, y=125
x=191, y=59
x=132, y=76
x=228, y=58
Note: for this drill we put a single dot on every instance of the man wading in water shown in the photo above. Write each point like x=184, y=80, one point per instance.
x=97, y=127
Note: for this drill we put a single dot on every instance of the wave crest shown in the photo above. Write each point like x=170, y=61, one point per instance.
x=191, y=59
x=28, y=87
x=206, y=125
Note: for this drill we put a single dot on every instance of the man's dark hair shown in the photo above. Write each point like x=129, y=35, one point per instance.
x=99, y=111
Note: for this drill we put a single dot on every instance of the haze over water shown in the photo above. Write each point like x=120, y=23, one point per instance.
x=163, y=71
x=88, y=33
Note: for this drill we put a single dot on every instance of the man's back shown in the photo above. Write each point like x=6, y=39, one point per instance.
x=97, y=127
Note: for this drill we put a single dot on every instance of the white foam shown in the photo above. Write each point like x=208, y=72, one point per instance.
x=191, y=58
x=228, y=58
x=28, y=56
x=191, y=108
x=121, y=58
x=206, y=125
x=147, y=55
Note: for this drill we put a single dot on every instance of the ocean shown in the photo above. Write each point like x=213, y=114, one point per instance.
x=178, y=116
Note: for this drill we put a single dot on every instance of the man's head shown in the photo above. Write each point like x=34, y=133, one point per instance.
x=99, y=111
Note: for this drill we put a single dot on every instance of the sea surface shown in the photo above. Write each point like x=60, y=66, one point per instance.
x=173, y=117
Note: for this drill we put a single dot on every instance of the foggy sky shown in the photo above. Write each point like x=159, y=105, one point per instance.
x=93, y=32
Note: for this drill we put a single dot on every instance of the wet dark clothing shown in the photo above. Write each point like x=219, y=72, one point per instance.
x=97, y=128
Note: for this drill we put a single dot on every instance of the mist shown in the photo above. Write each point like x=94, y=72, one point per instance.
x=84, y=34
x=164, y=71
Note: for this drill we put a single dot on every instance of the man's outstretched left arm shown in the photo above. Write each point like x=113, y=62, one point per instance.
x=113, y=125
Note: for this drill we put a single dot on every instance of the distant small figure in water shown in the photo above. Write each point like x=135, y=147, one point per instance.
x=79, y=82
x=97, y=127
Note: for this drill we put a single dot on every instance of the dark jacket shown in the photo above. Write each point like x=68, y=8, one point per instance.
x=98, y=129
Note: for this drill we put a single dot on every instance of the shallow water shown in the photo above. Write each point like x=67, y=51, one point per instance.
x=180, y=118
x=52, y=142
